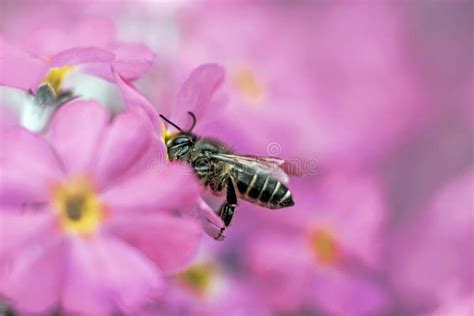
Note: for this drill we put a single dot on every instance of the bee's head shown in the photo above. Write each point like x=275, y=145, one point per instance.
x=180, y=144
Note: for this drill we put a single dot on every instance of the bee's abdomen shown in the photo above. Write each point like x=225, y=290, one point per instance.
x=264, y=190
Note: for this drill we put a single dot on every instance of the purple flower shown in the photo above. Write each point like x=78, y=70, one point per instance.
x=85, y=224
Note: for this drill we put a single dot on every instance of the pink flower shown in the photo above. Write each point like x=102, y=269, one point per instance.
x=44, y=44
x=206, y=289
x=85, y=225
x=325, y=252
x=431, y=262
x=58, y=48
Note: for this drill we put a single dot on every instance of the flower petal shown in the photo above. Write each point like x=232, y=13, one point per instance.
x=359, y=216
x=197, y=91
x=8, y=118
x=47, y=40
x=32, y=280
x=18, y=229
x=279, y=261
x=75, y=133
x=428, y=251
x=124, y=142
x=135, y=100
x=171, y=242
x=20, y=70
x=131, y=62
x=153, y=189
x=28, y=166
x=347, y=294
x=211, y=223
x=350, y=209
x=81, y=55
x=19, y=190
x=105, y=276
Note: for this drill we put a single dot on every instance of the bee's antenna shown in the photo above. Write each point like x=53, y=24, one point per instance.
x=171, y=123
x=177, y=127
x=194, y=122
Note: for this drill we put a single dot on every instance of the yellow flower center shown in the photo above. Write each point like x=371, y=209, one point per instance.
x=247, y=83
x=199, y=277
x=324, y=246
x=77, y=206
x=56, y=76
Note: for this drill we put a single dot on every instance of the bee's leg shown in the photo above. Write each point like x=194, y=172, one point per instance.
x=227, y=209
x=227, y=212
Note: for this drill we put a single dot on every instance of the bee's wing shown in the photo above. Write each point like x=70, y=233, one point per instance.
x=289, y=167
x=265, y=165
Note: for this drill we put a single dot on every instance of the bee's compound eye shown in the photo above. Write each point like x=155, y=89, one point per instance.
x=178, y=151
x=181, y=140
x=179, y=146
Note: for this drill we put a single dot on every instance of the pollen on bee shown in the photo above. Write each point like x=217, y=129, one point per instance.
x=166, y=135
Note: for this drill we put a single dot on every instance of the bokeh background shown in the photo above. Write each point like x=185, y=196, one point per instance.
x=372, y=100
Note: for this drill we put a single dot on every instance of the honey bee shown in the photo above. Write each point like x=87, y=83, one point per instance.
x=258, y=180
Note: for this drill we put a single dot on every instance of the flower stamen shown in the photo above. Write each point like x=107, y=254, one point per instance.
x=56, y=76
x=200, y=278
x=77, y=206
x=324, y=246
x=246, y=82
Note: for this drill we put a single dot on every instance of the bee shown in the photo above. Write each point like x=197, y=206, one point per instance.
x=258, y=180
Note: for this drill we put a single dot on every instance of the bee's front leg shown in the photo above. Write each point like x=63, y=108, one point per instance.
x=227, y=209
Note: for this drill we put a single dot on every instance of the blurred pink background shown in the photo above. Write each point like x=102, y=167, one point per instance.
x=372, y=99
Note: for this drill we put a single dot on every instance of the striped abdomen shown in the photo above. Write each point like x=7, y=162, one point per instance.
x=262, y=189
